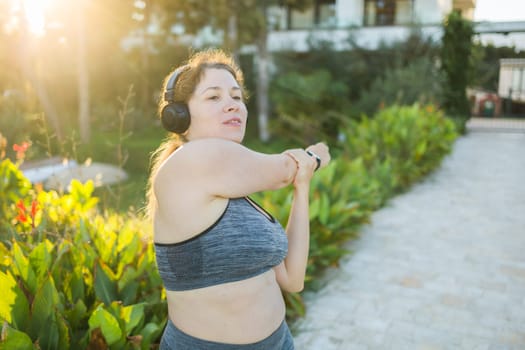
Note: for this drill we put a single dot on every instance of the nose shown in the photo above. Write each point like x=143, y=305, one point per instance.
x=232, y=105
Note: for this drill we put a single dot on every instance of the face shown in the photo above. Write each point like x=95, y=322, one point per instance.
x=217, y=108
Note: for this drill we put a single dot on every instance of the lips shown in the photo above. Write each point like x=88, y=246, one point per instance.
x=233, y=121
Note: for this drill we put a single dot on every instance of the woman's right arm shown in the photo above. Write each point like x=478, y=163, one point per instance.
x=227, y=169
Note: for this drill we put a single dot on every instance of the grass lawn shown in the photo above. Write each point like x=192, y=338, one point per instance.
x=136, y=148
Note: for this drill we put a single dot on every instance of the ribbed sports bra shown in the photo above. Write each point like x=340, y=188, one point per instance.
x=244, y=242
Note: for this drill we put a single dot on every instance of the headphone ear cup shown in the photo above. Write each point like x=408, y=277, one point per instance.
x=175, y=117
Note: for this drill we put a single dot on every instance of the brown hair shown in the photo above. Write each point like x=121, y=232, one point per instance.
x=187, y=81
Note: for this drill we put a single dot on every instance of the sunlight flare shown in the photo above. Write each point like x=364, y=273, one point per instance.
x=34, y=13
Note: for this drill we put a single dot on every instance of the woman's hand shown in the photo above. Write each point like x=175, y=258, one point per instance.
x=321, y=150
x=306, y=164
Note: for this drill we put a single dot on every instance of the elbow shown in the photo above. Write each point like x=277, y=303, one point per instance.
x=289, y=169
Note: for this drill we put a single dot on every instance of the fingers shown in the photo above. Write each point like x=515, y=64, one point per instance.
x=322, y=151
x=305, y=166
x=304, y=161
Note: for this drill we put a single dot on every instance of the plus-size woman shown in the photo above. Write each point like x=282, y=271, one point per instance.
x=223, y=259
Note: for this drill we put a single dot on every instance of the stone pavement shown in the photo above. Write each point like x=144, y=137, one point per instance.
x=440, y=267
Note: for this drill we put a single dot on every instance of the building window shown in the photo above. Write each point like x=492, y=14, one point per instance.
x=325, y=16
x=322, y=15
x=388, y=12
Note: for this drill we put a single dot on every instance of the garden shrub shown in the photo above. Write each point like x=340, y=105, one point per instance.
x=73, y=277
x=418, y=82
x=310, y=106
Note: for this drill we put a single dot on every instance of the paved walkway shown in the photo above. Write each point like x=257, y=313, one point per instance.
x=441, y=267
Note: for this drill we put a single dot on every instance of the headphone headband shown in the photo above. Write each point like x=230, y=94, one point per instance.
x=169, y=94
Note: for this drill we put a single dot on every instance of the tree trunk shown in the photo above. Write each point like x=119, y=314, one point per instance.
x=145, y=97
x=83, y=78
x=232, y=39
x=263, y=60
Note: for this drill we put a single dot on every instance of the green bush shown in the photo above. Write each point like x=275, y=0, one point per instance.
x=411, y=140
x=72, y=277
x=418, y=82
x=310, y=106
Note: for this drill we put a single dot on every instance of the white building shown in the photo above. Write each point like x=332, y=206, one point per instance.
x=369, y=21
x=512, y=79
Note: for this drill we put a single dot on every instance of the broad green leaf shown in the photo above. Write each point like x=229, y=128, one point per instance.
x=7, y=301
x=76, y=285
x=105, y=283
x=129, y=292
x=63, y=331
x=107, y=323
x=41, y=259
x=5, y=256
x=129, y=247
x=15, y=339
x=24, y=268
x=43, y=307
x=132, y=316
x=49, y=336
x=150, y=332
x=76, y=314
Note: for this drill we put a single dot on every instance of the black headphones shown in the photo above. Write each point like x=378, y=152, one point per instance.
x=175, y=116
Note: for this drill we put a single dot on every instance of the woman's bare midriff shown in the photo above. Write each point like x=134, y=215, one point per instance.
x=240, y=312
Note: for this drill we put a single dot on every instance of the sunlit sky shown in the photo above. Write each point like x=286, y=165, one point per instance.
x=499, y=10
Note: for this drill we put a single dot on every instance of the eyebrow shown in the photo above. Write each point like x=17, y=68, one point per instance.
x=234, y=88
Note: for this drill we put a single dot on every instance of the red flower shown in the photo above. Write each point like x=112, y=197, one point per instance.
x=21, y=149
x=23, y=212
x=22, y=217
x=34, y=208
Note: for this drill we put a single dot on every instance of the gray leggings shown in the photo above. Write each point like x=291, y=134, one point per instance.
x=174, y=339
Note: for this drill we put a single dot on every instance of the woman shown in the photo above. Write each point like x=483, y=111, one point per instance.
x=223, y=259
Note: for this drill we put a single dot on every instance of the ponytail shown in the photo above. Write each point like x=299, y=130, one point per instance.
x=157, y=158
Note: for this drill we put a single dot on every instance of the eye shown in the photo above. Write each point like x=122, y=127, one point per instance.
x=238, y=98
x=214, y=97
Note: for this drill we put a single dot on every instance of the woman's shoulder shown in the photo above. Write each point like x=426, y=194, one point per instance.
x=201, y=153
x=209, y=146
x=190, y=157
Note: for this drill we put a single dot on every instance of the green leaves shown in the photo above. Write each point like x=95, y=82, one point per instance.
x=107, y=323
x=24, y=268
x=14, y=339
x=132, y=315
x=80, y=278
x=9, y=295
x=105, y=283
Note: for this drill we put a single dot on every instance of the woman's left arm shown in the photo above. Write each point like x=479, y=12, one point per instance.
x=291, y=272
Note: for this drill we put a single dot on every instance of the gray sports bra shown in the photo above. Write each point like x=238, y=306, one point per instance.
x=244, y=242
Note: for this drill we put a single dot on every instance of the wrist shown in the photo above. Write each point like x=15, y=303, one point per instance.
x=302, y=188
x=317, y=159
